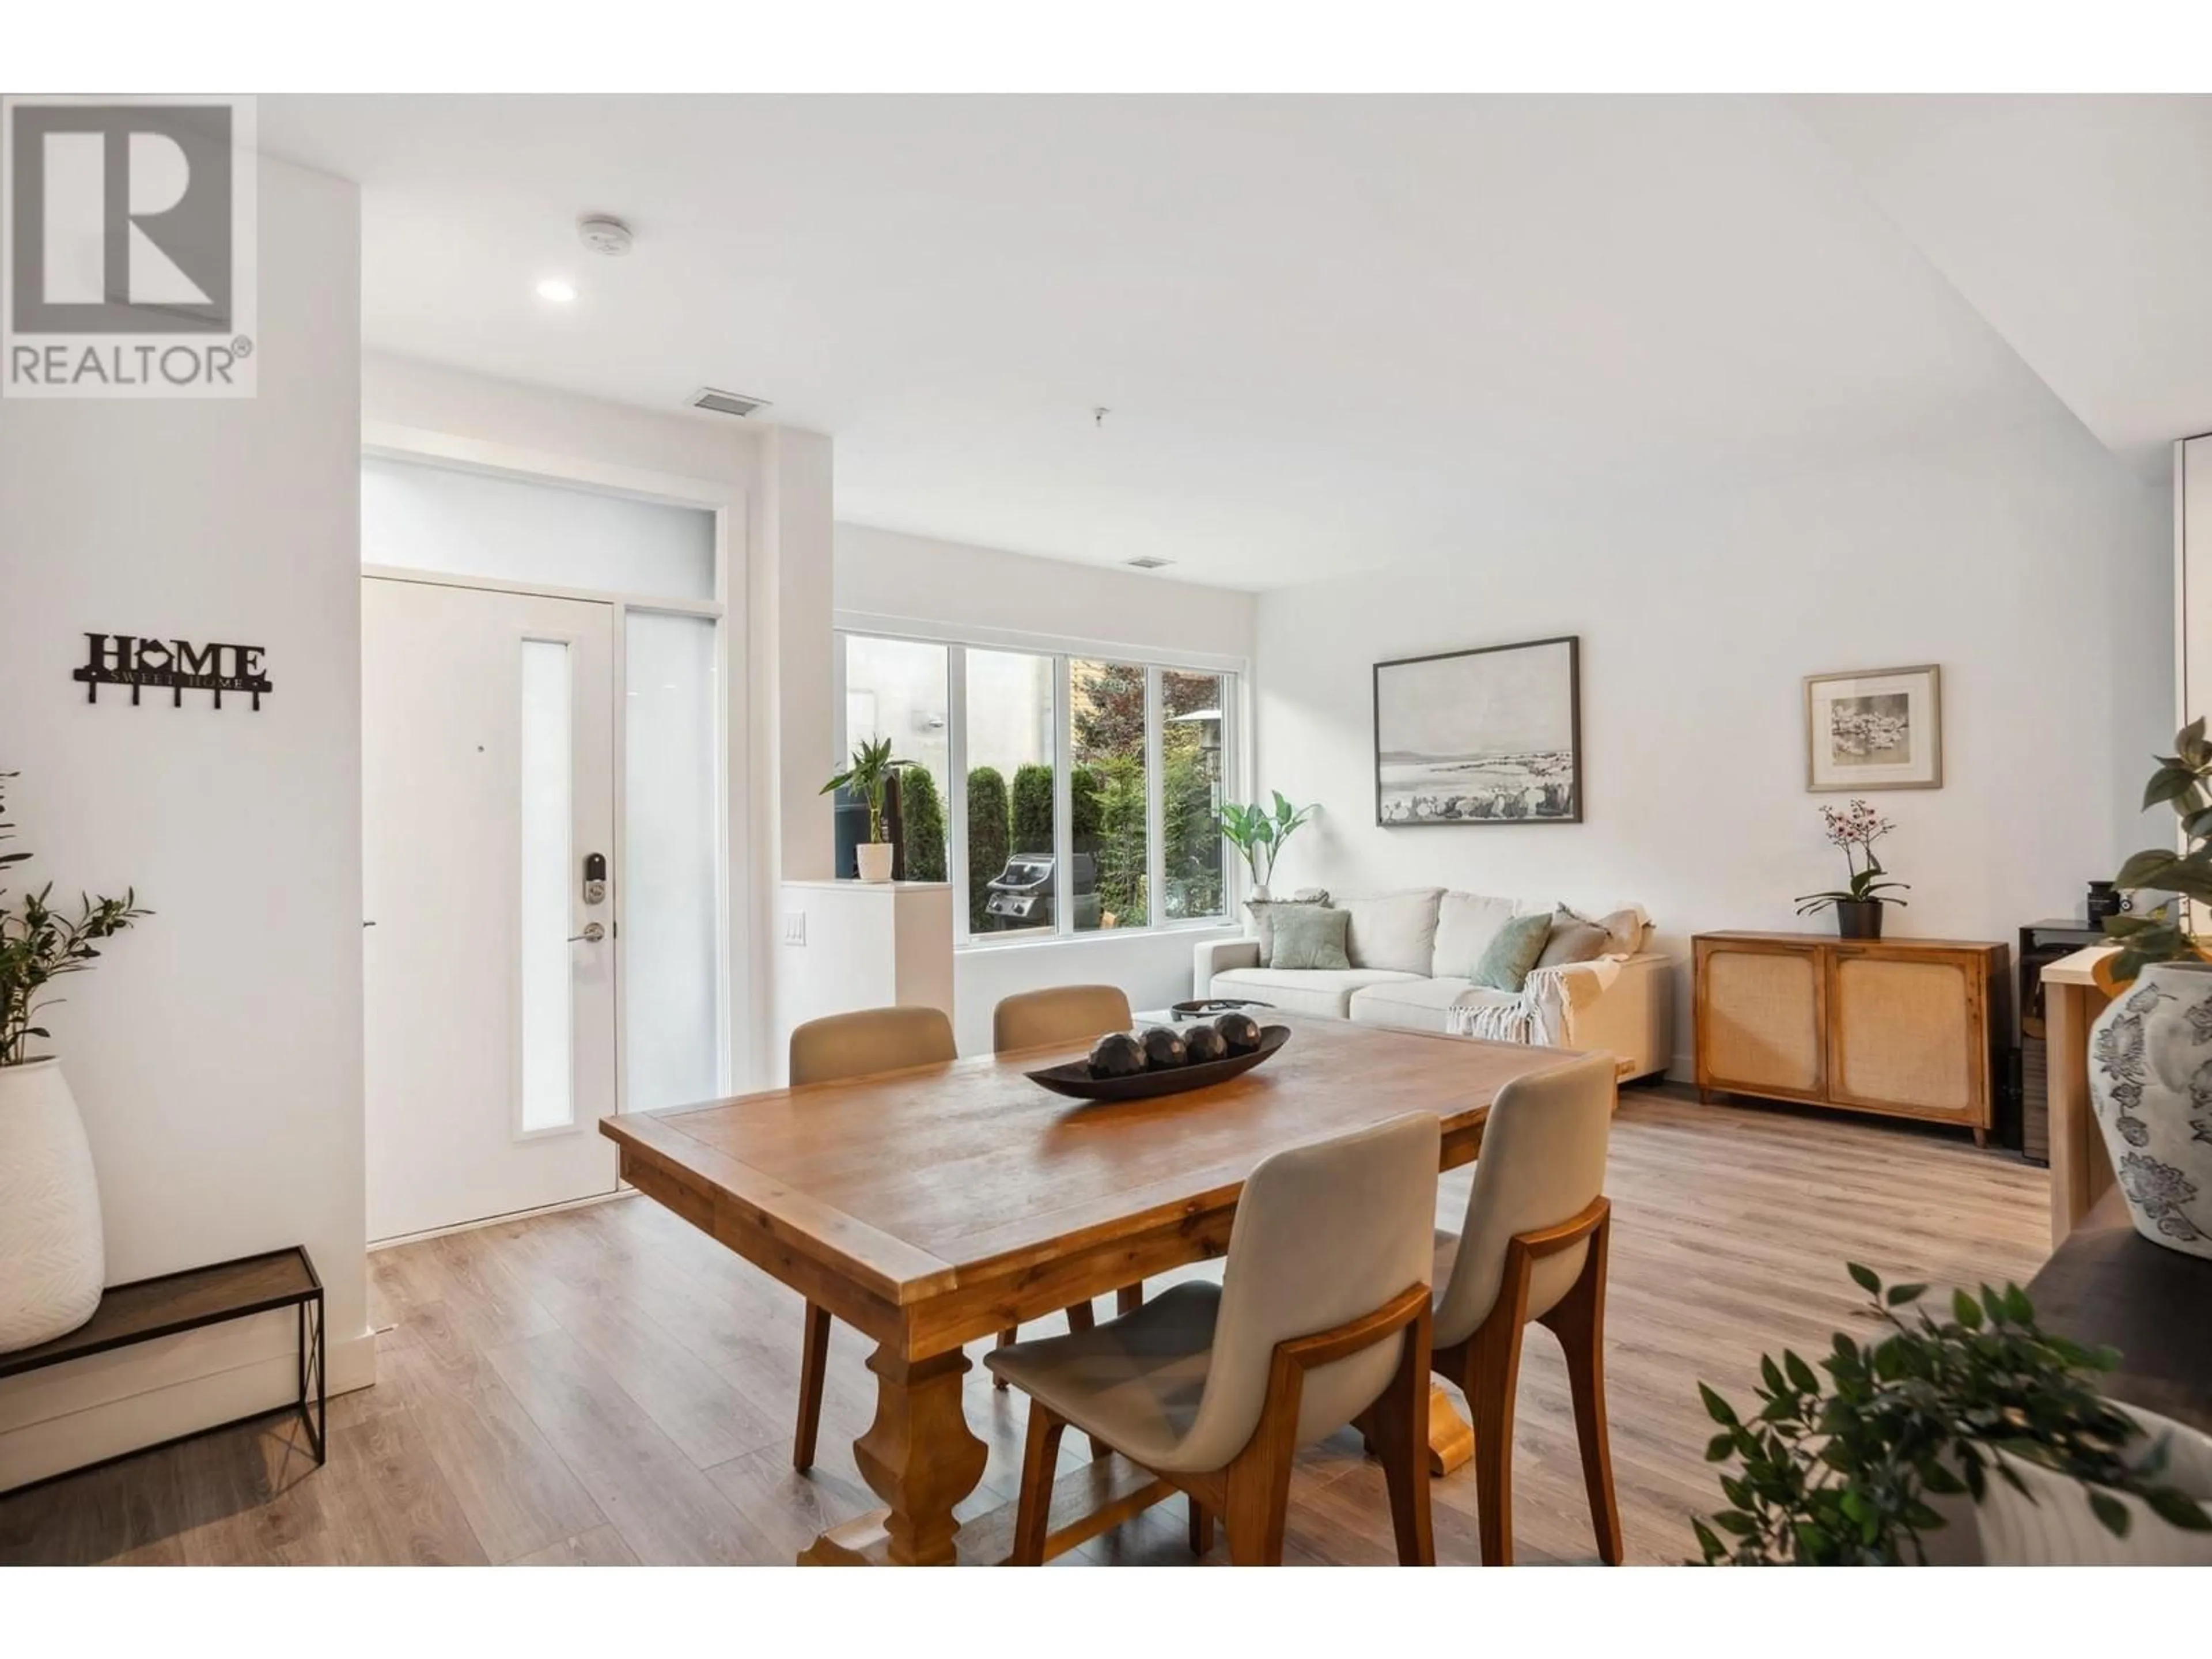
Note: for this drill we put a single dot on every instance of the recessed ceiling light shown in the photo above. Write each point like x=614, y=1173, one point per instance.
x=558, y=292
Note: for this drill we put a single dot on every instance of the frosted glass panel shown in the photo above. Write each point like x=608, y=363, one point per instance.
x=672, y=901
x=416, y=517
x=548, y=813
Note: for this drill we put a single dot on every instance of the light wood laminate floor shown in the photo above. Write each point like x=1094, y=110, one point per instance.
x=607, y=1386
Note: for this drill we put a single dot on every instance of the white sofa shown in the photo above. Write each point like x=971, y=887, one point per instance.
x=1621, y=1004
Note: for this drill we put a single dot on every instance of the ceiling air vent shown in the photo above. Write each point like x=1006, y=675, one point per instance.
x=726, y=402
x=1147, y=562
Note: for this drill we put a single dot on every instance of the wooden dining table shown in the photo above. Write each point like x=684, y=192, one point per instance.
x=932, y=1206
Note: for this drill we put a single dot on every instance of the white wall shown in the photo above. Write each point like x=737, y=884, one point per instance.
x=217, y=1052
x=2026, y=564
x=984, y=595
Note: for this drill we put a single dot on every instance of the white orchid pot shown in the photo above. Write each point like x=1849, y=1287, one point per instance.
x=2150, y=1078
x=875, y=857
x=52, y=1265
x=2052, y=1525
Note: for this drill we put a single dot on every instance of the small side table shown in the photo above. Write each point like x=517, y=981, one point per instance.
x=148, y=1308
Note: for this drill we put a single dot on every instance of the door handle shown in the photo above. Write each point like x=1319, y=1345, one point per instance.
x=592, y=933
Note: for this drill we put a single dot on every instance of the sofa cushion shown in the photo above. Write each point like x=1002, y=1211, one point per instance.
x=1394, y=931
x=1628, y=929
x=1421, y=1005
x=1324, y=992
x=1511, y=952
x=1309, y=936
x=1573, y=939
x=1465, y=923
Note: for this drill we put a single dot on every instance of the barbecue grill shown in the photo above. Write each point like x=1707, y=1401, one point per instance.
x=1021, y=894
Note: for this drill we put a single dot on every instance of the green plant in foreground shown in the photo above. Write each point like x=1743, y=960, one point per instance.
x=2183, y=782
x=867, y=775
x=38, y=945
x=1258, y=832
x=1839, y=1475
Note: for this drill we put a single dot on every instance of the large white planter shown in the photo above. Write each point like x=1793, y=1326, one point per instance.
x=52, y=1262
x=2058, y=1530
x=875, y=860
x=2150, y=1077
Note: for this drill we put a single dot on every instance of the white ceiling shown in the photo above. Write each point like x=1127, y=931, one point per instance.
x=1331, y=331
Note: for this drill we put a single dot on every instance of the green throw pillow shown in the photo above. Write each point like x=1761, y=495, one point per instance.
x=1309, y=936
x=1509, y=955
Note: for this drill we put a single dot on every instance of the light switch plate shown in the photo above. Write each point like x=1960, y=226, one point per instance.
x=794, y=926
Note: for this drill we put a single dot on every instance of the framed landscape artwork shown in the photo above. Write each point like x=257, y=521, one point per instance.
x=1882, y=729
x=1488, y=736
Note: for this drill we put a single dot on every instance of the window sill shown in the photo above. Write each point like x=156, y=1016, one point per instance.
x=1041, y=940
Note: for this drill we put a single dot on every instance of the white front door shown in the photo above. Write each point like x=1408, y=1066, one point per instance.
x=488, y=742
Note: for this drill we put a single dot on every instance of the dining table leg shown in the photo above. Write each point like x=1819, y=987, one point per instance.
x=919, y=1455
x=1451, y=1441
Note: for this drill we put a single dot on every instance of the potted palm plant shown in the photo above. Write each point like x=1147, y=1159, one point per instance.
x=1258, y=833
x=1859, y=903
x=52, y=1264
x=868, y=775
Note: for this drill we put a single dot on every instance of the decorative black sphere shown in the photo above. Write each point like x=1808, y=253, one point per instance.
x=1240, y=1031
x=1116, y=1054
x=1204, y=1043
x=1164, y=1048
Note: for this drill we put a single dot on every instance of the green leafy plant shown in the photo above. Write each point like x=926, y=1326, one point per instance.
x=867, y=775
x=1258, y=832
x=922, y=811
x=1839, y=1473
x=1032, y=809
x=39, y=943
x=2183, y=782
x=988, y=846
x=1856, y=829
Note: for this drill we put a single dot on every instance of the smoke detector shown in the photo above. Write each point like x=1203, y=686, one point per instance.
x=726, y=402
x=604, y=233
x=1146, y=561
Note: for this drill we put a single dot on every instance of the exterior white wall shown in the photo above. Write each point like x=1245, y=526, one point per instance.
x=986, y=596
x=217, y=1052
x=2028, y=563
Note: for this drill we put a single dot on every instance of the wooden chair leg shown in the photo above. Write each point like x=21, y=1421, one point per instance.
x=1006, y=1339
x=1258, y=1502
x=1492, y=1380
x=1579, y=1323
x=1201, y=1529
x=1129, y=1298
x=1397, y=1427
x=1080, y=1317
x=813, y=1360
x=1033, y=1510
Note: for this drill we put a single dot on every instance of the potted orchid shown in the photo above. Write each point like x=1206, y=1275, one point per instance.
x=1858, y=904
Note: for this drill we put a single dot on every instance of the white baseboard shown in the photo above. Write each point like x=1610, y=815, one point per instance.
x=111, y=1403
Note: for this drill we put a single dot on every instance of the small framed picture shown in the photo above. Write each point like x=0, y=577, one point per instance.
x=1881, y=729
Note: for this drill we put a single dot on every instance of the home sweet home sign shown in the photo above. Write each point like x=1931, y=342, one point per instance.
x=177, y=665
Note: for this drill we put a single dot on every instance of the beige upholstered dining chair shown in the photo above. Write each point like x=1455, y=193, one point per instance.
x=1321, y=1319
x=1066, y=1013
x=1063, y=1014
x=824, y=1051
x=1532, y=1247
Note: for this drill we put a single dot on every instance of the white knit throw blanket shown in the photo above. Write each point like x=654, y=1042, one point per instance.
x=1544, y=1013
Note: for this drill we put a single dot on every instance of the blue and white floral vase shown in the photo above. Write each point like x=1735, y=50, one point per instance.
x=2150, y=1078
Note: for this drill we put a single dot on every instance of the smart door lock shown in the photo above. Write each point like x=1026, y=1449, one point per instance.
x=595, y=878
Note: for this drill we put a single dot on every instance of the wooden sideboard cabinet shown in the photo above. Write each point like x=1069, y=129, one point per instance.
x=1906, y=1028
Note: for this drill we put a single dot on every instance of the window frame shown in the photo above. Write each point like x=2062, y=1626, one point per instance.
x=1063, y=651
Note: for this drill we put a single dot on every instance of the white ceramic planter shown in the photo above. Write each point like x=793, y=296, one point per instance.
x=52, y=1262
x=2056, y=1530
x=2150, y=1078
x=875, y=858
